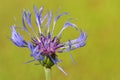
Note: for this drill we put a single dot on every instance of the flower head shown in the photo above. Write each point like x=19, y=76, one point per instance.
x=43, y=44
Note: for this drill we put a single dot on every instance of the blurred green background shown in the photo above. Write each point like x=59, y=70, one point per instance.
x=98, y=60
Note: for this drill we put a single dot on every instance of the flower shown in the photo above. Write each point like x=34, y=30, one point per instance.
x=44, y=45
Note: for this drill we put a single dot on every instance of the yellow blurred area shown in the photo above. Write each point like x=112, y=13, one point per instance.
x=98, y=60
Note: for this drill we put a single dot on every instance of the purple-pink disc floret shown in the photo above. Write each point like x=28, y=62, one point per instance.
x=48, y=45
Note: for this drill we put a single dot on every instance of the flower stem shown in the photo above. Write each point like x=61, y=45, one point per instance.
x=47, y=73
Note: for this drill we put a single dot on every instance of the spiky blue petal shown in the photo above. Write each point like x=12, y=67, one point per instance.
x=45, y=17
x=74, y=44
x=23, y=22
x=37, y=54
x=17, y=39
x=31, y=46
x=27, y=17
x=82, y=37
x=38, y=14
x=49, y=19
x=66, y=25
x=56, y=19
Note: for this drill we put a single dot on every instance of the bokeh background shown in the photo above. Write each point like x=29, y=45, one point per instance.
x=98, y=60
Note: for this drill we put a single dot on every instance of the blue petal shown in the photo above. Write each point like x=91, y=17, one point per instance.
x=65, y=13
x=79, y=42
x=56, y=19
x=38, y=14
x=31, y=46
x=36, y=54
x=27, y=17
x=17, y=39
x=74, y=44
x=82, y=37
x=49, y=19
x=66, y=25
x=23, y=22
x=44, y=18
x=79, y=45
x=35, y=49
x=70, y=24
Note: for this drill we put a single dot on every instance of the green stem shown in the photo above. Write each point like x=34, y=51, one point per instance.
x=47, y=73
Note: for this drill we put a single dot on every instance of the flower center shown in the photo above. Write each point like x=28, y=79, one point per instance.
x=47, y=44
